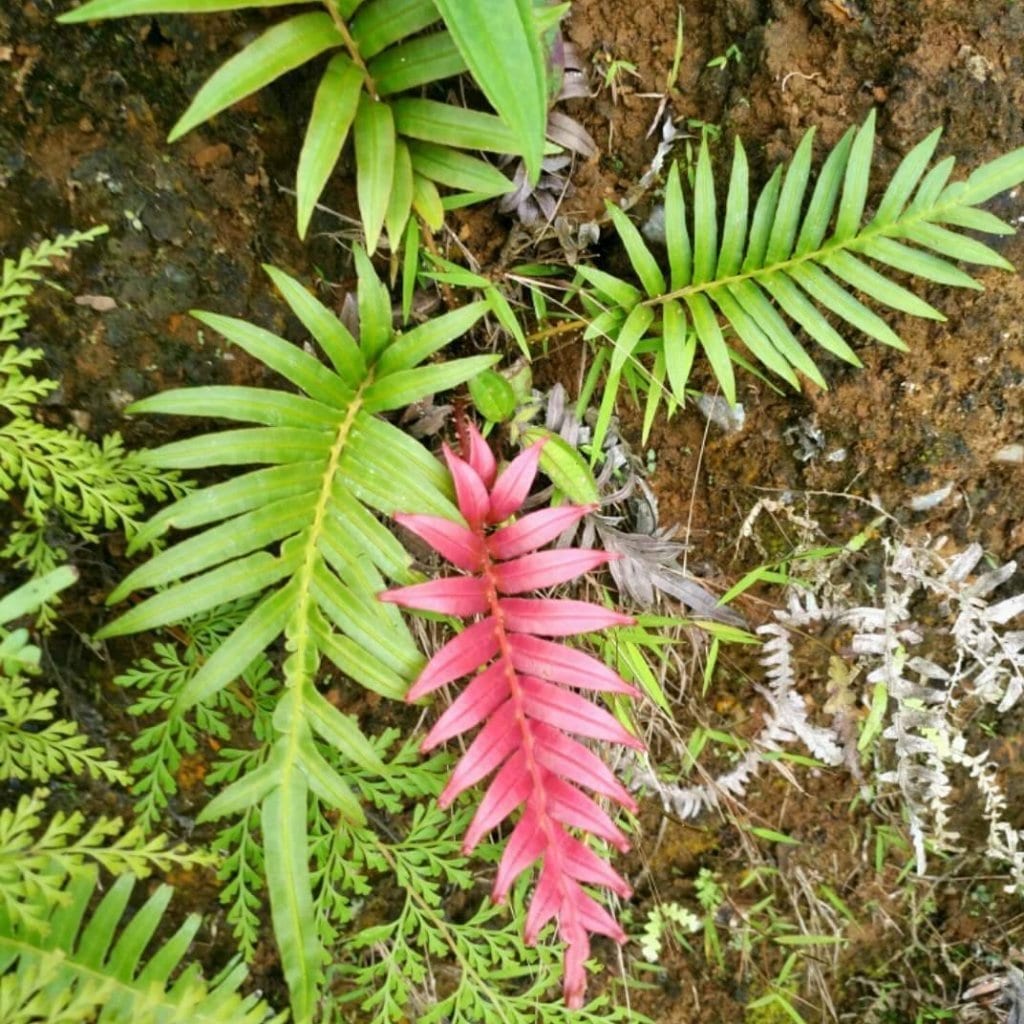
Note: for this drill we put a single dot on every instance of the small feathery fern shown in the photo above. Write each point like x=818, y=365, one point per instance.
x=38, y=854
x=173, y=733
x=405, y=145
x=787, y=253
x=34, y=744
x=61, y=486
x=299, y=538
x=81, y=968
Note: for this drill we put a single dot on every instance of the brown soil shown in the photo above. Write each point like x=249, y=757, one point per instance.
x=83, y=117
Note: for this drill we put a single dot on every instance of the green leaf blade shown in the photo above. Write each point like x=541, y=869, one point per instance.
x=283, y=815
x=855, y=182
x=501, y=47
x=447, y=125
x=642, y=259
x=375, y=165
x=457, y=170
x=280, y=49
x=705, y=219
x=404, y=387
x=98, y=10
x=677, y=235
x=734, y=231
x=416, y=63
x=330, y=333
x=709, y=334
x=787, y=212
x=334, y=110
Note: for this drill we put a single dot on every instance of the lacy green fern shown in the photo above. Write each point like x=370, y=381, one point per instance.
x=34, y=744
x=176, y=731
x=80, y=968
x=795, y=252
x=299, y=539
x=38, y=854
x=405, y=146
x=62, y=487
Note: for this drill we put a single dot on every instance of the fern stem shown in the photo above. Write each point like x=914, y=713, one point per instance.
x=428, y=911
x=894, y=229
x=352, y=47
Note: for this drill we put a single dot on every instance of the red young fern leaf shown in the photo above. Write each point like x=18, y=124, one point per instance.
x=521, y=697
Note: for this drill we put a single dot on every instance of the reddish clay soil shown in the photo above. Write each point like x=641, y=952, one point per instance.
x=83, y=117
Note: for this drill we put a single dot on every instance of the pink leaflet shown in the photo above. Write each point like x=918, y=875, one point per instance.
x=574, y=980
x=546, y=569
x=569, y=806
x=523, y=847
x=514, y=483
x=556, y=617
x=509, y=788
x=480, y=456
x=474, y=646
x=460, y=546
x=571, y=760
x=455, y=595
x=581, y=863
x=595, y=918
x=570, y=712
x=548, y=660
x=482, y=696
x=493, y=743
x=545, y=904
x=469, y=489
x=535, y=530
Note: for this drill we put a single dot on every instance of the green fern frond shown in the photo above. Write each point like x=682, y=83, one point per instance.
x=37, y=855
x=81, y=968
x=797, y=256
x=405, y=146
x=386, y=968
x=174, y=733
x=67, y=487
x=19, y=277
x=299, y=538
x=34, y=745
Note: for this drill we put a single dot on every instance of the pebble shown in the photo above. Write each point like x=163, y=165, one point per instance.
x=1013, y=453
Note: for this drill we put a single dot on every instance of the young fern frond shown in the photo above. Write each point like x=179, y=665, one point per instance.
x=77, y=968
x=522, y=697
x=797, y=255
x=299, y=538
x=405, y=146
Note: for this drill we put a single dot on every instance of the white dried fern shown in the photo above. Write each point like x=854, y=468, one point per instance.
x=938, y=645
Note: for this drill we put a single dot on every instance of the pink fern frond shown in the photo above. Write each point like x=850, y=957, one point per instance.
x=523, y=695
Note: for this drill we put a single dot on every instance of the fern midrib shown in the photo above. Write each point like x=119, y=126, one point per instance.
x=303, y=634
x=894, y=228
x=312, y=553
